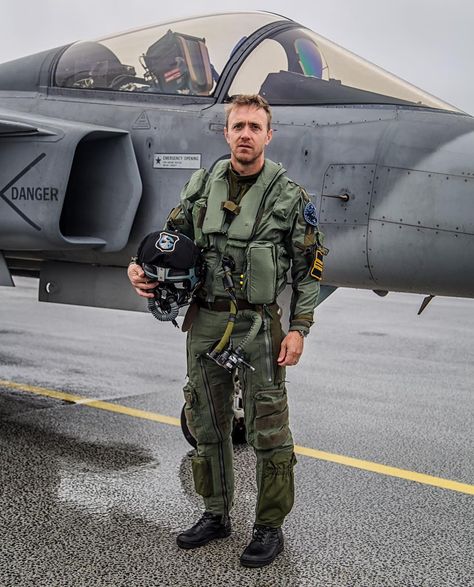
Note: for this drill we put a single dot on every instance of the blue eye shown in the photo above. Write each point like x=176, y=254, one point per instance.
x=310, y=57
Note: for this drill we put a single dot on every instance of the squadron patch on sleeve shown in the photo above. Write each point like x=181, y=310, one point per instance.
x=309, y=214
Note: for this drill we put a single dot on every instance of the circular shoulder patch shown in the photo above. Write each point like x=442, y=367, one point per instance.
x=309, y=214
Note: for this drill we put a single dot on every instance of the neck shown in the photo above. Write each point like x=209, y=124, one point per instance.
x=250, y=168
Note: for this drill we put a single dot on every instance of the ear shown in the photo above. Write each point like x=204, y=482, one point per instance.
x=226, y=134
x=269, y=136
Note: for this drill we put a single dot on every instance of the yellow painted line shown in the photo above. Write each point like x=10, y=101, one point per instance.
x=386, y=470
x=92, y=403
x=301, y=450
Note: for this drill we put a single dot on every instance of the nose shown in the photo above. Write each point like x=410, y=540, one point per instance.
x=245, y=133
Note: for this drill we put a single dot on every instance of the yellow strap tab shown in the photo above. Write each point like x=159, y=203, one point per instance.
x=230, y=206
x=318, y=265
x=173, y=215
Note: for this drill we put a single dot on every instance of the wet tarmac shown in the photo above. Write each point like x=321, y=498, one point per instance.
x=94, y=498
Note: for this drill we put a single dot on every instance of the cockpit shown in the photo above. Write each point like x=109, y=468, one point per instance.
x=231, y=53
x=185, y=57
x=174, y=64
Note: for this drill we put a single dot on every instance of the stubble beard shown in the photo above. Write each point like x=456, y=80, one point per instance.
x=249, y=160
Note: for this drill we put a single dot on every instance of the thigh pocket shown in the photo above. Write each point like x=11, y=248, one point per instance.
x=271, y=419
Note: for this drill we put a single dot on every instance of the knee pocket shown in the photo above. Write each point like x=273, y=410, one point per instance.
x=189, y=407
x=277, y=489
x=202, y=476
x=271, y=418
x=279, y=465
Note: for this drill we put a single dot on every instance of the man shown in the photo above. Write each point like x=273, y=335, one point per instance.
x=248, y=214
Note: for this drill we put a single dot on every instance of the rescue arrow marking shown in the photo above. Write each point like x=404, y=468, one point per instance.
x=13, y=181
x=301, y=450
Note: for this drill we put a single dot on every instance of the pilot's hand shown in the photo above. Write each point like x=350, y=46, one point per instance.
x=291, y=349
x=139, y=281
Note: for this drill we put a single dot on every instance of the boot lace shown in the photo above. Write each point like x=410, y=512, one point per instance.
x=205, y=516
x=260, y=533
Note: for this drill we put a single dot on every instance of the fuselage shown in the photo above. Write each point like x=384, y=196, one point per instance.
x=393, y=183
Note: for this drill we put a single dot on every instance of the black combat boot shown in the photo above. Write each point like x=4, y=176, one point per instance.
x=208, y=527
x=266, y=545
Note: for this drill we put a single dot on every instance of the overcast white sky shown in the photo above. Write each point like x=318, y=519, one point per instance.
x=430, y=43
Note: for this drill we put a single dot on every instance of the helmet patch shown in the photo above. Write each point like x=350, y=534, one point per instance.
x=166, y=242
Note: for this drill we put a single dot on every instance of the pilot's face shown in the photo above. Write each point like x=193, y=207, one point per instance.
x=247, y=134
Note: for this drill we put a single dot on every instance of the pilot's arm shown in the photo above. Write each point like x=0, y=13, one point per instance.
x=302, y=244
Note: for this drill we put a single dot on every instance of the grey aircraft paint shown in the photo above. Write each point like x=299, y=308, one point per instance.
x=93, y=157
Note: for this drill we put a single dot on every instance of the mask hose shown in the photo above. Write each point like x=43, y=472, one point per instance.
x=228, y=329
x=254, y=329
x=223, y=354
x=162, y=316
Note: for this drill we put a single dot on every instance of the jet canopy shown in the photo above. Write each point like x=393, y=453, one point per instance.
x=232, y=53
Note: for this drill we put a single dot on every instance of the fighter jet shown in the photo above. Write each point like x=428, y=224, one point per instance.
x=97, y=139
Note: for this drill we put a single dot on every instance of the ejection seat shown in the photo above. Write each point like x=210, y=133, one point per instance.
x=179, y=64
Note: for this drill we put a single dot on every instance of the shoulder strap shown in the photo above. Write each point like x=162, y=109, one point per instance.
x=244, y=226
x=195, y=186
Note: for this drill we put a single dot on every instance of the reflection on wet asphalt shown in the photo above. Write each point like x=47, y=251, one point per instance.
x=92, y=498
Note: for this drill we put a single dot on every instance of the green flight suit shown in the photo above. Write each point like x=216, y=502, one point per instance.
x=265, y=233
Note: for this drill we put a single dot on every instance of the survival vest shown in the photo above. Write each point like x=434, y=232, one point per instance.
x=254, y=237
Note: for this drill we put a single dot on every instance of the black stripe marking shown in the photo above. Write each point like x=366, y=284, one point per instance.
x=12, y=182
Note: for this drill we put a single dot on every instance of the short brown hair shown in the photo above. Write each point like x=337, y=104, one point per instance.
x=248, y=100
